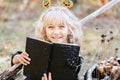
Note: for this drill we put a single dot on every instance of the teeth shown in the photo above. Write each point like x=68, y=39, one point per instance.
x=56, y=37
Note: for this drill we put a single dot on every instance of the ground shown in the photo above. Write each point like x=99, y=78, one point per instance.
x=16, y=24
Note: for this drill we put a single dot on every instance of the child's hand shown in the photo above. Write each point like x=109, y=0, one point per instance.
x=45, y=77
x=22, y=58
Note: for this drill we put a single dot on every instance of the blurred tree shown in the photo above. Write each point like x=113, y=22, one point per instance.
x=74, y=1
x=2, y=4
x=95, y=4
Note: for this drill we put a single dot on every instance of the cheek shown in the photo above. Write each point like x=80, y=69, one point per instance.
x=46, y=32
x=66, y=33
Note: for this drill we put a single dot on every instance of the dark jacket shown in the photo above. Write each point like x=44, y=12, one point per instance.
x=27, y=76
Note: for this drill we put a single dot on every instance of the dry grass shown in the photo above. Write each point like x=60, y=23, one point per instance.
x=15, y=26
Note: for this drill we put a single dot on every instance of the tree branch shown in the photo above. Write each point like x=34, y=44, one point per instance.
x=99, y=11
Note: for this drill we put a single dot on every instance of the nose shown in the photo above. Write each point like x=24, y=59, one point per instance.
x=56, y=31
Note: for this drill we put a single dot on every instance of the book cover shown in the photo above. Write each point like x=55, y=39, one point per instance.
x=62, y=60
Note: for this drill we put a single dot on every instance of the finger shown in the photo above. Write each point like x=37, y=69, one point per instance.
x=26, y=57
x=49, y=77
x=45, y=76
x=24, y=53
x=23, y=61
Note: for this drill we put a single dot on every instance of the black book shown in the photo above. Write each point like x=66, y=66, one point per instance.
x=62, y=60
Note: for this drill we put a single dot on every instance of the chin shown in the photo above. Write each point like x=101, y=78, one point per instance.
x=58, y=41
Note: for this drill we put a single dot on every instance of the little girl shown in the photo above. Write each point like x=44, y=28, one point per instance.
x=58, y=25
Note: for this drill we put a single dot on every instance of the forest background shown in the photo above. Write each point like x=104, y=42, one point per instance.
x=101, y=35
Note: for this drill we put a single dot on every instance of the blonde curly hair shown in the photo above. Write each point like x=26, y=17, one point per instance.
x=59, y=14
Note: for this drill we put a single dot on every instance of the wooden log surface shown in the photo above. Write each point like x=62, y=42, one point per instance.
x=11, y=73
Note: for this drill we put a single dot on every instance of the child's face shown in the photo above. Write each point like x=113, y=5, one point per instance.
x=57, y=33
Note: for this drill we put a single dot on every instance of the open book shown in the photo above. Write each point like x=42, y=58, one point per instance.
x=62, y=60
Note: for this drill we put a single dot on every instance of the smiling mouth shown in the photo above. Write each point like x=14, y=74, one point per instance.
x=56, y=37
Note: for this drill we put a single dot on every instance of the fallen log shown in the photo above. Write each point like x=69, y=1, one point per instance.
x=104, y=70
x=11, y=73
